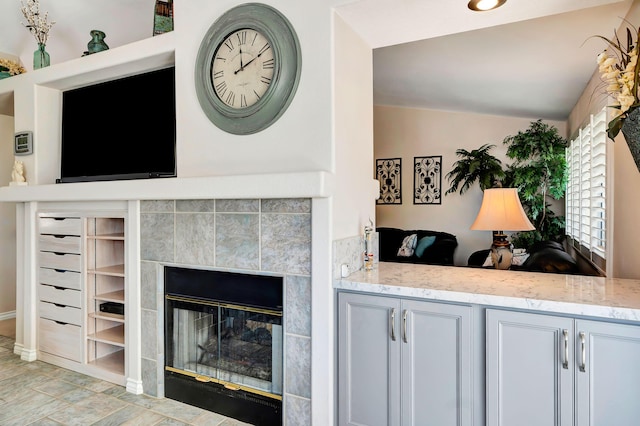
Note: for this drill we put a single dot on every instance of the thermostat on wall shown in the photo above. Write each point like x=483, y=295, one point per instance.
x=23, y=143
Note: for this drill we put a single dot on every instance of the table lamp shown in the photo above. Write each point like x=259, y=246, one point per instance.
x=501, y=211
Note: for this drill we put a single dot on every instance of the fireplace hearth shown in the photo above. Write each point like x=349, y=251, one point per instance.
x=224, y=342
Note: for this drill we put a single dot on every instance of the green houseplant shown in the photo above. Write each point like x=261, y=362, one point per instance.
x=476, y=165
x=539, y=171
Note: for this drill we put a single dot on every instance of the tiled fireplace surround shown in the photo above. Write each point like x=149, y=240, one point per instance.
x=268, y=236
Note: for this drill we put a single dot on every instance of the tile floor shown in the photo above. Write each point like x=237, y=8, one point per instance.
x=41, y=394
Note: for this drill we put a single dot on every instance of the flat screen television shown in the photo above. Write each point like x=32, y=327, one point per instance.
x=120, y=129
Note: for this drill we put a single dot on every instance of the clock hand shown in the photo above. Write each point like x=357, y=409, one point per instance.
x=241, y=66
x=247, y=64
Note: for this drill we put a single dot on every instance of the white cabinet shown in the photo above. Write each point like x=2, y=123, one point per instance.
x=105, y=294
x=81, y=293
x=60, y=287
x=552, y=370
x=403, y=362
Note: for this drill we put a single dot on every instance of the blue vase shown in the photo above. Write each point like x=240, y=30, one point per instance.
x=41, y=57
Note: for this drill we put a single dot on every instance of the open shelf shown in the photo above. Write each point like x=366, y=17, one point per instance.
x=112, y=336
x=115, y=270
x=106, y=316
x=113, y=362
x=114, y=296
x=113, y=236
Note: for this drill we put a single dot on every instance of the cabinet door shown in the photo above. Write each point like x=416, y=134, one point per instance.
x=436, y=364
x=530, y=369
x=369, y=360
x=608, y=390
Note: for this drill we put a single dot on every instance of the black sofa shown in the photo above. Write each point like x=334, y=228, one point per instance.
x=439, y=253
x=544, y=256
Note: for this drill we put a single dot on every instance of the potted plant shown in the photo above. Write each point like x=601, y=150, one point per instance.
x=539, y=171
x=476, y=165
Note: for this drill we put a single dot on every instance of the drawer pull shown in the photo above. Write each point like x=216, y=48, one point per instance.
x=59, y=288
x=57, y=253
x=61, y=271
x=61, y=323
x=60, y=306
x=59, y=236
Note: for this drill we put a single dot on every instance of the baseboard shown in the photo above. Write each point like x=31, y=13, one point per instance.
x=7, y=315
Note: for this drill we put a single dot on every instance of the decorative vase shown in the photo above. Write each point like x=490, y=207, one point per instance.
x=163, y=17
x=97, y=43
x=631, y=132
x=41, y=57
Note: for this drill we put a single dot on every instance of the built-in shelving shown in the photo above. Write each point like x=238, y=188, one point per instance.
x=105, y=284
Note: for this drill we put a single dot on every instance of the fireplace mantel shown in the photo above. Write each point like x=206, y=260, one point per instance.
x=279, y=185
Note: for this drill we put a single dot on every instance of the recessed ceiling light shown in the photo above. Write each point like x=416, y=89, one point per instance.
x=482, y=5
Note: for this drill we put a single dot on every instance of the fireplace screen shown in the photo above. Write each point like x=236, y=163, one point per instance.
x=224, y=342
x=239, y=347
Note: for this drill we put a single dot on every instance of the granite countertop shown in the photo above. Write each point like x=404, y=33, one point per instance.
x=554, y=293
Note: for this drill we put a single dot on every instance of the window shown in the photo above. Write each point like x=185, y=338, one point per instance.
x=586, y=196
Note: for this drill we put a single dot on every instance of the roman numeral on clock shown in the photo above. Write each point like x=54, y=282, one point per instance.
x=268, y=64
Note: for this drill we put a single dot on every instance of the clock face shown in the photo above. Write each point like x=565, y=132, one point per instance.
x=242, y=68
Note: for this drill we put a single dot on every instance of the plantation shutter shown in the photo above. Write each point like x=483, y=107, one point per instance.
x=585, y=199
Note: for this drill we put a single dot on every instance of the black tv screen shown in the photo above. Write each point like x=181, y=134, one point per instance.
x=120, y=129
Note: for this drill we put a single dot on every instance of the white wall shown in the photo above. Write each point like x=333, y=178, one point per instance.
x=300, y=140
x=7, y=224
x=407, y=133
x=353, y=117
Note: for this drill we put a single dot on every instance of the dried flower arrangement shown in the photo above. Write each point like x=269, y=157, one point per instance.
x=37, y=23
x=12, y=67
x=618, y=66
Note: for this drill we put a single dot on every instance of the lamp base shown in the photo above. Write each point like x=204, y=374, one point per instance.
x=501, y=253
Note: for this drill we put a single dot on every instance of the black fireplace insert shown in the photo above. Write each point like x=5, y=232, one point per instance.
x=224, y=342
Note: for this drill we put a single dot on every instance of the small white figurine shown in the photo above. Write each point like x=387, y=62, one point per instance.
x=17, y=175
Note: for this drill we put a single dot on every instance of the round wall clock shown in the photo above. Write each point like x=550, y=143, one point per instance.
x=248, y=68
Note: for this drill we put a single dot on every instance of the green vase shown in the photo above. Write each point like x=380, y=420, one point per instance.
x=41, y=57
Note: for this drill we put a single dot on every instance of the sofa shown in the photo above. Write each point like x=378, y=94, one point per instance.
x=543, y=256
x=430, y=247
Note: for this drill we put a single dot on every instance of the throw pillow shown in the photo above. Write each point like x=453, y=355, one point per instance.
x=408, y=245
x=424, y=243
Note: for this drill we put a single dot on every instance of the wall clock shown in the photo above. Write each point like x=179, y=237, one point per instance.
x=248, y=68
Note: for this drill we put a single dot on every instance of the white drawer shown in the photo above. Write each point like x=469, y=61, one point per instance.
x=61, y=313
x=61, y=278
x=59, y=243
x=66, y=261
x=61, y=296
x=61, y=226
x=63, y=340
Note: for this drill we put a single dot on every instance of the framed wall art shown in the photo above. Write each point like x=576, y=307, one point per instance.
x=427, y=181
x=388, y=173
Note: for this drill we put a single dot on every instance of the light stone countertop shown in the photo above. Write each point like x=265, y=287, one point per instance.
x=609, y=298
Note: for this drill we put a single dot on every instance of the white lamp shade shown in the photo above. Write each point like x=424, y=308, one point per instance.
x=501, y=211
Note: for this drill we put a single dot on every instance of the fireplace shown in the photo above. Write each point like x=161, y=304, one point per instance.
x=224, y=342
